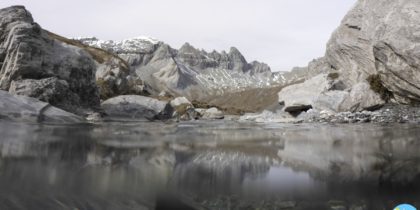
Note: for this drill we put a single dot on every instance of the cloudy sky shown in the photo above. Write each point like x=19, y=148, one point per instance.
x=282, y=33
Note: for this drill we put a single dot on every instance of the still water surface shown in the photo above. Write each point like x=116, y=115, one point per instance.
x=208, y=165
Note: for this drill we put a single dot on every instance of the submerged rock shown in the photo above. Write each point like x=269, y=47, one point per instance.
x=26, y=109
x=270, y=117
x=389, y=113
x=137, y=107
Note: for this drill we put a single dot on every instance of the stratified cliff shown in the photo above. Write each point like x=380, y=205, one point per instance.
x=372, y=58
x=36, y=65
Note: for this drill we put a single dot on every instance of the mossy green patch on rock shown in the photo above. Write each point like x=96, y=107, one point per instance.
x=182, y=109
x=376, y=85
x=333, y=75
x=105, y=91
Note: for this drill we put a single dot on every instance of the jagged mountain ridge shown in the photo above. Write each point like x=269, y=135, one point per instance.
x=189, y=72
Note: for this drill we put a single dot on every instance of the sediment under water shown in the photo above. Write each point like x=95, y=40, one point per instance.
x=208, y=165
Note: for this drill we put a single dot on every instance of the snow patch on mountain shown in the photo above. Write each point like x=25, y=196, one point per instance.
x=140, y=44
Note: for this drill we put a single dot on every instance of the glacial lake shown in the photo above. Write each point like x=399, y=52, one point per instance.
x=208, y=165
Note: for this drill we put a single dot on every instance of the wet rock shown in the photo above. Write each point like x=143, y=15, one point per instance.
x=286, y=204
x=337, y=205
x=389, y=113
x=137, y=107
x=270, y=117
x=26, y=109
x=358, y=207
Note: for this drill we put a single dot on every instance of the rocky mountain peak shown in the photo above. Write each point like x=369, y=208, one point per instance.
x=15, y=13
x=189, y=71
x=235, y=54
x=188, y=48
x=259, y=68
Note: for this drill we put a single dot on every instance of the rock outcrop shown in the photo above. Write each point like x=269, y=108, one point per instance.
x=380, y=37
x=184, y=109
x=211, y=114
x=324, y=93
x=137, y=107
x=26, y=109
x=377, y=45
x=34, y=64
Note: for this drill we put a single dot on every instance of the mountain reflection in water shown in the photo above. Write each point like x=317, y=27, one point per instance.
x=208, y=165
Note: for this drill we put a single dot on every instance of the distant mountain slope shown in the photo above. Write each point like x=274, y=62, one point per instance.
x=189, y=72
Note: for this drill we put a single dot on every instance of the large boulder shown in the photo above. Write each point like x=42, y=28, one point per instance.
x=302, y=97
x=184, y=109
x=180, y=101
x=380, y=37
x=52, y=89
x=361, y=97
x=28, y=54
x=211, y=114
x=137, y=107
x=26, y=109
x=373, y=57
x=321, y=93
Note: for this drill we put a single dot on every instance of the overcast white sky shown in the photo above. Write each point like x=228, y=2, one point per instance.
x=281, y=33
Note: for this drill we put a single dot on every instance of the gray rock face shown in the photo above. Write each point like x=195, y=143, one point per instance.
x=179, y=102
x=137, y=107
x=380, y=37
x=301, y=97
x=377, y=39
x=360, y=98
x=29, y=54
x=26, y=109
x=51, y=90
x=184, y=110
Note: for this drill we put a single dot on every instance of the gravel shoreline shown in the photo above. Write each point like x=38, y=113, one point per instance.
x=390, y=113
